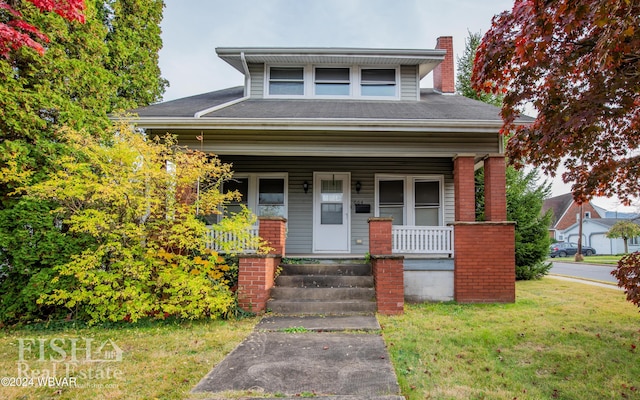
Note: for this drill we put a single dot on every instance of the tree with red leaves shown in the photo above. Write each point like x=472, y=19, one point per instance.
x=15, y=32
x=577, y=62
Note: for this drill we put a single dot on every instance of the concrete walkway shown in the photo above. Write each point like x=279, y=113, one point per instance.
x=329, y=357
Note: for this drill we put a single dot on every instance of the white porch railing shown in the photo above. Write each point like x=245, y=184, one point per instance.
x=422, y=240
x=215, y=236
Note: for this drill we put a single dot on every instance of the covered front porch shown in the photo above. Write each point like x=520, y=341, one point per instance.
x=457, y=260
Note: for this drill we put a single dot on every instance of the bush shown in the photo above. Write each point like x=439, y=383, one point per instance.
x=136, y=199
x=531, y=272
x=628, y=275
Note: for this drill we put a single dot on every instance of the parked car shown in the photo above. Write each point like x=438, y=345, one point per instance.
x=569, y=249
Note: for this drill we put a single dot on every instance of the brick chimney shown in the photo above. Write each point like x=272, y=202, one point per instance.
x=444, y=74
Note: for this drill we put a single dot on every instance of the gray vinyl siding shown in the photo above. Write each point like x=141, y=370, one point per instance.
x=300, y=204
x=257, y=80
x=409, y=82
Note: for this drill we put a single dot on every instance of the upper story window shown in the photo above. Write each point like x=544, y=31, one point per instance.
x=329, y=81
x=286, y=81
x=378, y=82
x=332, y=82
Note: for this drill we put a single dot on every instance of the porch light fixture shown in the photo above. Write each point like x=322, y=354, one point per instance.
x=305, y=186
x=358, y=186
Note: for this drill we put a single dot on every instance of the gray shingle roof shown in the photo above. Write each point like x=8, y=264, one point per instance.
x=432, y=105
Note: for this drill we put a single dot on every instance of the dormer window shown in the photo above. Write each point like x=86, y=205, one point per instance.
x=378, y=82
x=286, y=81
x=332, y=82
x=323, y=81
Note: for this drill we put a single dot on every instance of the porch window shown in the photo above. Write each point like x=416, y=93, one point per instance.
x=271, y=197
x=411, y=200
x=378, y=82
x=286, y=81
x=242, y=186
x=391, y=195
x=427, y=203
x=263, y=194
x=333, y=81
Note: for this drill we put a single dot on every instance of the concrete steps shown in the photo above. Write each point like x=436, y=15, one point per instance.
x=323, y=289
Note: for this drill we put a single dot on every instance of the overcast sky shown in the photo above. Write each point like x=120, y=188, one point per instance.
x=192, y=29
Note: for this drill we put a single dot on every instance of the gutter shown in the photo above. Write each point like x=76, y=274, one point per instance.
x=247, y=89
x=418, y=125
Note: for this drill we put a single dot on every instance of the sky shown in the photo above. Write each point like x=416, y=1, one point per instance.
x=192, y=29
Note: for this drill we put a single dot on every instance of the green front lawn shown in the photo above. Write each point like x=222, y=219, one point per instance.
x=560, y=340
x=159, y=360
x=596, y=259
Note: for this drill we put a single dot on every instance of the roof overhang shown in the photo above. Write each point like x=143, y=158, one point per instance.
x=316, y=124
x=426, y=60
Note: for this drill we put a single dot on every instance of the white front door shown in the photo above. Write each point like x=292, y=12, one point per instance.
x=331, y=207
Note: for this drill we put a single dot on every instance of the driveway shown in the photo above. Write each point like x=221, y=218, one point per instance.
x=584, y=271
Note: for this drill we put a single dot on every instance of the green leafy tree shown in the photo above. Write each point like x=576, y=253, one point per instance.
x=465, y=68
x=135, y=198
x=525, y=195
x=133, y=40
x=72, y=83
x=626, y=230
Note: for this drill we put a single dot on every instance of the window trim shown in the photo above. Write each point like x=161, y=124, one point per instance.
x=396, y=85
x=332, y=96
x=409, y=194
x=267, y=82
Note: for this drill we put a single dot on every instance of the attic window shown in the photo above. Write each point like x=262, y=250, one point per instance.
x=286, y=81
x=332, y=81
x=378, y=82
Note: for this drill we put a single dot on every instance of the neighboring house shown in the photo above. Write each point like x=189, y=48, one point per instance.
x=566, y=212
x=594, y=234
x=330, y=137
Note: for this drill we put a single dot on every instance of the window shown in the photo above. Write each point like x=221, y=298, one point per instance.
x=635, y=241
x=271, y=197
x=242, y=186
x=391, y=200
x=378, y=82
x=332, y=82
x=286, y=81
x=410, y=200
x=264, y=194
x=427, y=203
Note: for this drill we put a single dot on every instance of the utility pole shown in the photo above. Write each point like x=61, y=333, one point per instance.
x=579, y=256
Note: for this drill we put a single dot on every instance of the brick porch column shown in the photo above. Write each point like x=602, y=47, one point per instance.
x=484, y=251
x=274, y=231
x=484, y=262
x=388, y=270
x=495, y=193
x=256, y=271
x=255, y=280
x=465, y=187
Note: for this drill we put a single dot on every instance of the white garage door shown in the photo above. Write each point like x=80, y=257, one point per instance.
x=601, y=243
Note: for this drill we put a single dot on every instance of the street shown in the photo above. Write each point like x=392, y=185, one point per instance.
x=587, y=271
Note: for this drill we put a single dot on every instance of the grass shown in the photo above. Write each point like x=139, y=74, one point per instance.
x=596, y=259
x=159, y=360
x=559, y=340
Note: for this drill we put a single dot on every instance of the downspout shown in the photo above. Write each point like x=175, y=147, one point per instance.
x=247, y=75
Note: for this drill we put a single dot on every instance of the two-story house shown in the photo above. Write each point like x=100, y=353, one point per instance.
x=331, y=137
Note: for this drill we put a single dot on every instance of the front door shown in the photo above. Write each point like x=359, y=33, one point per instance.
x=331, y=206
